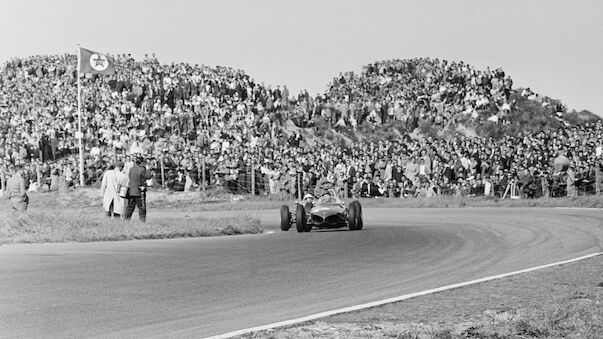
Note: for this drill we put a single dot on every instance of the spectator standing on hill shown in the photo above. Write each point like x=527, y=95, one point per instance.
x=113, y=179
x=15, y=189
x=138, y=176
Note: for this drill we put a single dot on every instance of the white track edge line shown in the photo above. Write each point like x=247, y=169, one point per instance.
x=578, y=208
x=394, y=299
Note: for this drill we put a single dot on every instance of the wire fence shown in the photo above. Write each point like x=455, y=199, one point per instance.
x=250, y=180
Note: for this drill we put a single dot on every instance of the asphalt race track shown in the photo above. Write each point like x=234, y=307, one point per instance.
x=203, y=287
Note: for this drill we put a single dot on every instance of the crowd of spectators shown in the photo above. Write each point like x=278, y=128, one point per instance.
x=418, y=89
x=548, y=163
x=218, y=124
x=146, y=108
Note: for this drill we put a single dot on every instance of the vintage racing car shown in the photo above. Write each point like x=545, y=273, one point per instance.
x=326, y=212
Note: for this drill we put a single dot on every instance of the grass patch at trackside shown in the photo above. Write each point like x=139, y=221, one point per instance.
x=215, y=200
x=564, y=301
x=573, y=316
x=268, y=202
x=65, y=216
x=77, y=226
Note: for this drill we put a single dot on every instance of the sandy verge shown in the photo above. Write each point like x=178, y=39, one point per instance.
x=487, y=310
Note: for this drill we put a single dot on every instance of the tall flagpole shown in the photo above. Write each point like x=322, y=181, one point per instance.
x=79, y=116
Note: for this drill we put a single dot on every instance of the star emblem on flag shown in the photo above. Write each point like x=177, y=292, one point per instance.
x=99, y=62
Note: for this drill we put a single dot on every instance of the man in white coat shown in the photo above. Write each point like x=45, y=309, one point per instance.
x=113, y=179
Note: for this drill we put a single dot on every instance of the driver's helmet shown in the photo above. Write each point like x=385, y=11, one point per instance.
x=327, y=198
x=308, y=197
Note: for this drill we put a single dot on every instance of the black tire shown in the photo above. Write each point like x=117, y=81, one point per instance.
x=285, y=218
x=353, y=217
x=300, y=219
x=359, y=218
x=308, y=207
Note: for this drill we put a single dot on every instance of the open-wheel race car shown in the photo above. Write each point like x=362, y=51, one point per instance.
x=328, y=211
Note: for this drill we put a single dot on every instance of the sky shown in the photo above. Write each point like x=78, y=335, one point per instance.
x=554, y=47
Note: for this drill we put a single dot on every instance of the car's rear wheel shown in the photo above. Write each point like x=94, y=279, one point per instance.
x=353, y=217
x=285, y=218
x=359, y=218
x=300, y=219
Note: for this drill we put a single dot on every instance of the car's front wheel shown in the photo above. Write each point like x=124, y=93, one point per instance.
x=353, y=217
x=300, y=219
x=285, y=218
x=359, y=218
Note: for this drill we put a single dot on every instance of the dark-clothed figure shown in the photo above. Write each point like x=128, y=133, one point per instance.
x=15, y=189
x=138, y=176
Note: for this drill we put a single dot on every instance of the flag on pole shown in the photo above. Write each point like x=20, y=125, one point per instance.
x=96, y=63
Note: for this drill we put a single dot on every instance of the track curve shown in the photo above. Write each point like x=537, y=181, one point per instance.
x=204, y=287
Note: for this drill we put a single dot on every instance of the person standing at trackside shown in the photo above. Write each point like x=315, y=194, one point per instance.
x=15, y=189
x=572, y=191
x=113, y=179
x=138, y=176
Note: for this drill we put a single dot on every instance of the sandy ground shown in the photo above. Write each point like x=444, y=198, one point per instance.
x=478, y=311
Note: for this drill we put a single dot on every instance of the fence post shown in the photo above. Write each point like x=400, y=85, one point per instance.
x=299, y=187
x=598, y=180
x=203, y=179
x=162, y=172
x=38, y=175
x=198, y=164
x=252, y=178
x=3, y=179
x=62, y=181
x=345, y=189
